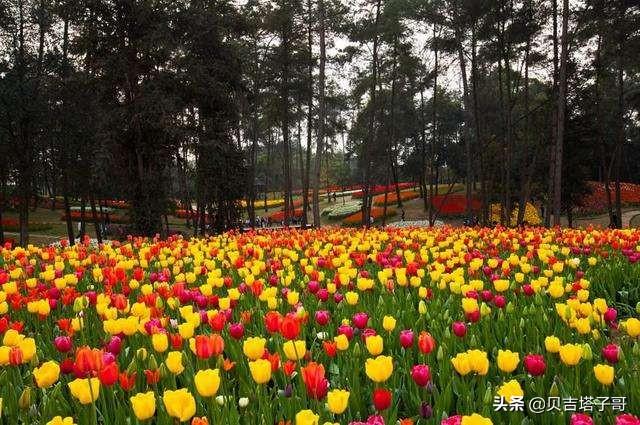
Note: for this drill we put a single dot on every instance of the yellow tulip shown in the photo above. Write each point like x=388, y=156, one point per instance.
x=179, y=404
x=552, y=344
x=461, y=364
x=379, y=369
x=342, y=342
x=374, y=344
x=478, y=361
x=144, y=405
x=174, y=362
x=633, y=327
x=207, y=382
x=307, y=417
x=160, y=342
x=510, y=389
x=475, y=419
x=260, y=371
x=508, y=360
x=59, y=420
x=47, y=374
x=388, y=323
x=253, y=347
x=294, y=350
x=604, y=373
x=338, y=400
x=570, y=354
x=84, y=389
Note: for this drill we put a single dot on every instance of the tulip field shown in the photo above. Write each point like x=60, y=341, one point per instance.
x=448, y=325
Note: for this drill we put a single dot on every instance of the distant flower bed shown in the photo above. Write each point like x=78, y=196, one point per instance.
x=596, y=201
x=376, y=212
x=114, y=203
x=342, y=210
x=392, y=197
x=13, y=225
x=454, y=204
x=531, y=215
x=378, y=189
x=88, y=217
x=279, y=215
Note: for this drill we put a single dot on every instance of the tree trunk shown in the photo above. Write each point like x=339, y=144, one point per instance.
x=434, y=128
x=620, y=123
x=554, y=118
x=284, y=97
x=368, y=144
x=97, y=221
x=307, y=175
x=321, y=115
x=557, y=177
x=467, y=118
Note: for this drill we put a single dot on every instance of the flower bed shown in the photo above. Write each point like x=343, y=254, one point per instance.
x=454, y=204
x=449, y=326
x=340, y=210
x=531, y=216
x=595, y=202
x=376, y=212
x=279, y=215
x=13, y=225
x=88, y=217
x=392, y=197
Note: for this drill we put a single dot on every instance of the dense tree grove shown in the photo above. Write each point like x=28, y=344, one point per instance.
x=214, y=104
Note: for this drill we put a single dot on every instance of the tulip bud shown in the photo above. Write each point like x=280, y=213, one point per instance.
x=153, y=363
x=243, y=402
x=554, y=391
x=159, y=303
x=510, y=307
x=488, y=395
x=220, y=400
x=422, y=307
x=141, y=354
x=163, y=371
x=638, y=307
x=636, y=349
x=25, y=398
x=440, y=354
x=587, y=353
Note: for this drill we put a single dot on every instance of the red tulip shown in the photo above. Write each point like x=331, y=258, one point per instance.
x=272, y=321
x=152, y=376
x=322, y=317
x=176, y=341
x=534, y=364
x=421, y=374
x=360, y=320
x=581, y=419
x=217, y=322
x=406, y=338
x=627, y=419
x=209, y=345
x=66, y=366
x=330, y=347
x=290, y=327
x=453, y=420
x=459, y=329
x=108, y=375
x=611, y=353
x=315, y=381
x=236, y=330
x=426, y=342
x=610, y=315
x=127, y=381
x=381, y=398
x=63, y=344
